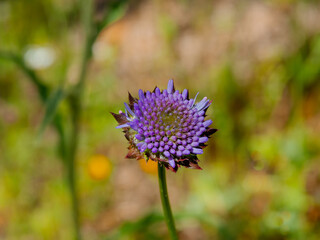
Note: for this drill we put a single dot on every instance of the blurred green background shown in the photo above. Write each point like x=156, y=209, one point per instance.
x=259, y=61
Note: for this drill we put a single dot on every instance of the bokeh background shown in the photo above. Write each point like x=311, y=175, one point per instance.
x=259, y=61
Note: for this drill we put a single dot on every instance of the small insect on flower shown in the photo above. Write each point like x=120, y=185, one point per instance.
x=166, y=126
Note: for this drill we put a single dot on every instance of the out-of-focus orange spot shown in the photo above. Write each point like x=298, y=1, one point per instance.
x=150, y=167
x=99, y=167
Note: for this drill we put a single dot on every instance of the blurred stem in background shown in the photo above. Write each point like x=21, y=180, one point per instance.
x=75, y=104
x=165, y=202
x=68, y=144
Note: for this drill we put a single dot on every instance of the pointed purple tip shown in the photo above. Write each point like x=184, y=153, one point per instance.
x=207, y=123
x=197, y=151
x=166, y=154
x=203, y=139
x=143, y=147
x=129, y=110
x=172, y=163
x=185, y=94
x=193, y=100
x=158, y=92
x=170, y=86
x=141, y=94
x=123, y=125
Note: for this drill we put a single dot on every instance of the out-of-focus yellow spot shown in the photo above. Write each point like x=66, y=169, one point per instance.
x=150, y=167
x=99, y=167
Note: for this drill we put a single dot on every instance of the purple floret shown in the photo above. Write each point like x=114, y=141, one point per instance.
x=167, y=126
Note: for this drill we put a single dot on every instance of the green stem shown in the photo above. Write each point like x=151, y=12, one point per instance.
x=75, y=104
x=165, y=202
x=71, y=180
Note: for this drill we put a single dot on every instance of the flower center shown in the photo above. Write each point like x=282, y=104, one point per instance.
x=169, y=118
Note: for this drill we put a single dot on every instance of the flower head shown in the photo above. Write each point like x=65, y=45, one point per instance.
x=166, y=126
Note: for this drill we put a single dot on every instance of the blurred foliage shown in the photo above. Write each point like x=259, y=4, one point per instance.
x=99, y=167
x=257, y=60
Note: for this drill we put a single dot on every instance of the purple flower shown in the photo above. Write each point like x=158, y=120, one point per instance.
x=166, y=126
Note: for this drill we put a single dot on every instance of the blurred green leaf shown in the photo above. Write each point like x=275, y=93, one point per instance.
x=51, y=108
x=139, y=226
x=310, y=70
x=116, y=11
x=18, y=60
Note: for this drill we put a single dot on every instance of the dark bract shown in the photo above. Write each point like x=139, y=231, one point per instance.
x=166, y=126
